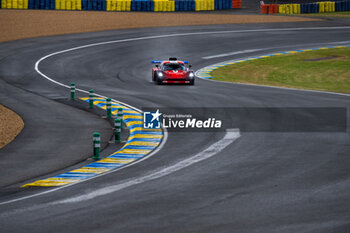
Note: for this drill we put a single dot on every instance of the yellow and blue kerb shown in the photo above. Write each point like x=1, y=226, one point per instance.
x=141, y=142
x=206, y=71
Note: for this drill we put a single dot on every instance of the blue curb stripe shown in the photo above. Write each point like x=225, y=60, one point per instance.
x=140, y=147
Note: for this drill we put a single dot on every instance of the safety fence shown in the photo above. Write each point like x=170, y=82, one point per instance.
x=304, y=8
x=123, y=5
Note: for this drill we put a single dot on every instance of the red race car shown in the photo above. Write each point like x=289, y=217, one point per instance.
x=172, y=71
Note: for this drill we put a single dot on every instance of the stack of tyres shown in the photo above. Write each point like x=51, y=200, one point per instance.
x=118, y=5
x=14, y=4
x=264, y=9
x=164, y=5
x=68, y=4
x=223, y=4
x=185, y=5
x=41, y=4
x=339, y=6
x=236, y=3
x=97, y=5
x=142, y=5
x=205, y=5
x=319, y=7
x=296, y=8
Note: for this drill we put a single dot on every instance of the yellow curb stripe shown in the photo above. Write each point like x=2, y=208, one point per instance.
x=115, y=160
x=130, y=123
x=134, y=151
x=91, y=170
x=142, y=143
x=132, y=117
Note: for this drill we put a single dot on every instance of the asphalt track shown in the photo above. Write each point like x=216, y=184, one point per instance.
x=263, y=182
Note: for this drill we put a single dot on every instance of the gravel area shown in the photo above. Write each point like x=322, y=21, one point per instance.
x=10, y=125
x=20, y=24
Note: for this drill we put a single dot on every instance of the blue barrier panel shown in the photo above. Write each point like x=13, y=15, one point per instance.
x=144, y=5
x=216, y=4
x=177, y=6
x=336, y=6
x=139, y=5
x=151, y=6
x=148, y=5
x=347, y=6
x=185, y=5
x=31, y=4
x=307, y=8
x=342, y=6
x=36, y=4
x=90, y=5
x=84, y=5
x=52, y=5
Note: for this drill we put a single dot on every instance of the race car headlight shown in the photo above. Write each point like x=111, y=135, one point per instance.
x=191, y=75
x=160, y=74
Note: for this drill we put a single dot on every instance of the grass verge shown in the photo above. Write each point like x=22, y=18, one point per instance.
x=325, y=70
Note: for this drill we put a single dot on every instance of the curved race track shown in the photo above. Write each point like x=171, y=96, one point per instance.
x=263, y=182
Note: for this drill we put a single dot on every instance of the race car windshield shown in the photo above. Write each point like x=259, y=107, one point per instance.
x=173, y=66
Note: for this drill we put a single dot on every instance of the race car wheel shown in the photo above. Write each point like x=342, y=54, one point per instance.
x=192, y=82
x=159, y=82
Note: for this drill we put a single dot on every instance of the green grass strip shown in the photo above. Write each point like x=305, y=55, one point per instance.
x=324, y=70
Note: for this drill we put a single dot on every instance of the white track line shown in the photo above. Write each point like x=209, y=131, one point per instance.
x=230, y=136
x=232, y=53
x=138, y=39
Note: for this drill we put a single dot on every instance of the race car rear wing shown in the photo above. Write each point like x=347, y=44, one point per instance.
x=158, y=62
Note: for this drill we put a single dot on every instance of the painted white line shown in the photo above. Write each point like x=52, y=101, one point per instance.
x=138, y=39
x=270, y=48
x=230, y=136
x=232, y=53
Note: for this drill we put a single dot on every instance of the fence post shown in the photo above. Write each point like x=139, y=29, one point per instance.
x=72, y=91
x=108, y=107
x=91, y=99
x=120, y=114
x=117, y=130
x=97, y=145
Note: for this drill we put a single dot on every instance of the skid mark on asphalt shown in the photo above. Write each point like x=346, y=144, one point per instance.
x=141, y=142
x=230, y=136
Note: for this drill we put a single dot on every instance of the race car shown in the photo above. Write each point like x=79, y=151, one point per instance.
x=172, y=71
